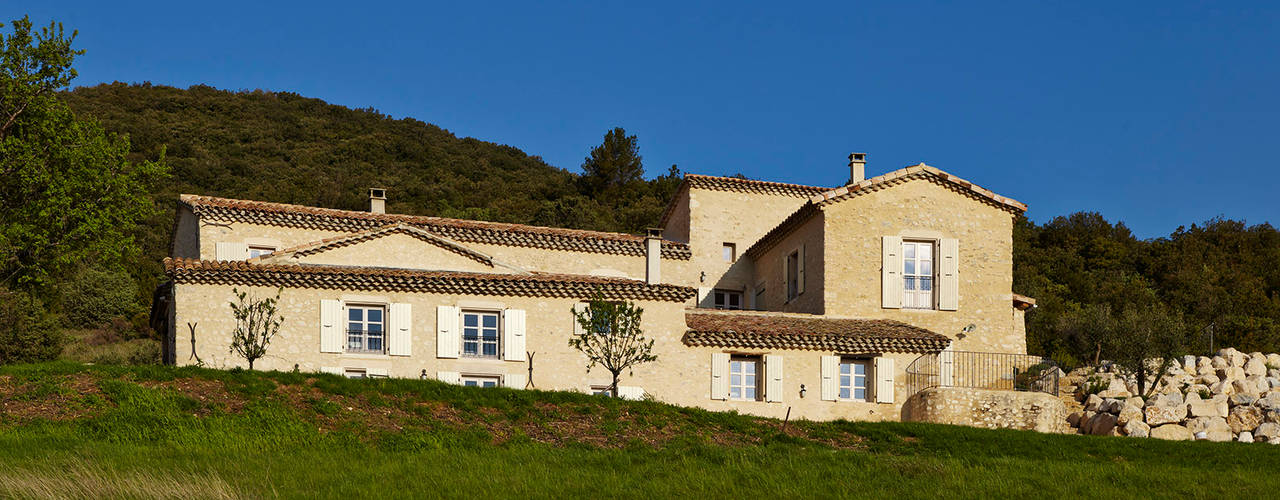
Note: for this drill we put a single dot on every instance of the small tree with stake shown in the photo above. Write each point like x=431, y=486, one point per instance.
x=257, y=322
x=611, y=337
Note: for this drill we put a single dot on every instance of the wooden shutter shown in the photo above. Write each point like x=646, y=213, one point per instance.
x=447, y=337
x=800, y=271
x=225, y=250
x=884, y=380
x=400, y=342
x=630, y=392
x=449, y=377
x=513, y=380
x=946, y=367
x=330, y=325
x=513, y=334
x=830, y=364
x=377, y=372
x=948, y=274
x=579, y=308
x=719, y=375
x=891, y=272
x=773, y=382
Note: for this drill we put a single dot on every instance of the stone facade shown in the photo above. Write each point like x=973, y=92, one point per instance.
x=1034, y=411
x=423, y=264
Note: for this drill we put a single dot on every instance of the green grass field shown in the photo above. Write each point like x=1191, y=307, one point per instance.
x=70, y=430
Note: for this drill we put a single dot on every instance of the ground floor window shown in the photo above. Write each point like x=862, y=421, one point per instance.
x=355, y=373
x=365, y=329
x=744, y=380
x=853, y=379
x=480, y=381
x=601, y=390
x=728, y=299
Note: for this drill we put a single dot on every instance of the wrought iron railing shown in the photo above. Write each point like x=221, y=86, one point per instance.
x=983, y=370
x=366, y=342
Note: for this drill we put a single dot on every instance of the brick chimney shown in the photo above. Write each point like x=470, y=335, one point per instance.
x=857, y=167
x=378, y=200
x=653, y=256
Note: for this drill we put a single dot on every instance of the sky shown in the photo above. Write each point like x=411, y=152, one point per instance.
x=1157, y=114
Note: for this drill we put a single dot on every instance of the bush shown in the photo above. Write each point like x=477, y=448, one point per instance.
x=94, y=296
x=28, y=333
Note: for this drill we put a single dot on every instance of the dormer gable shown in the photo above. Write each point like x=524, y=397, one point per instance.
x=398, y=246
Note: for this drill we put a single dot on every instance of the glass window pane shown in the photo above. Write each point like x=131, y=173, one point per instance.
x=859, y=368
x=375, y=344
x=490, y=335
x=749, y=367
x=375, y=315
x=844, y=380
x=844, y=368
x=735, y=379
x=926, y=283
x=470, y=333
x=375, y=328
x=469, y=348
x=490, y=383
x=749, y=393
x=490, y=321
x=469, y=383
x=926, y=267
x=470, y=320
x=859, y=394
x=355, y=314
x=909, y=267
x=909, y=250
x=490, y=350
x=926, y=250
x=735, y=392
x=909, y=283
x=844, y=393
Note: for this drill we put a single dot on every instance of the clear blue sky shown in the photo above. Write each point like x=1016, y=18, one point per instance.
x=1157, y=114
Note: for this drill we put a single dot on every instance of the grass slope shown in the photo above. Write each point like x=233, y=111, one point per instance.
x=71, y=430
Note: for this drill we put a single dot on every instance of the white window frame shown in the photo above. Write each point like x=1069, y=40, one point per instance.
x=738, y=368
x=912, y=296
x=721, y=299
x=355, y=373
x=480, y=342
x=261, y=250
x=480, y=381
x=729, y=251
x=847, y=383
x=364, y=322
x=792, y=284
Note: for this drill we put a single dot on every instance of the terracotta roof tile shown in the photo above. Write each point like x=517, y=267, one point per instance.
x=191, y=271
x=756, y=330
x=717, y=183
x=498, y=233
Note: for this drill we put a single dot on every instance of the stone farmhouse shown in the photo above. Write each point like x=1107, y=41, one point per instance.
x=760, y=296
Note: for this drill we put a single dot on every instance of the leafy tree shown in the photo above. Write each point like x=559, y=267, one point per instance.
x=66, y=191
x=257, y=322
x=611, y=337
x=94, y=295
x=614, y=167
x=28, y=332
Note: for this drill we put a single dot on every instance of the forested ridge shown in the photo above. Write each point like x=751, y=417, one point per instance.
x=279, y=146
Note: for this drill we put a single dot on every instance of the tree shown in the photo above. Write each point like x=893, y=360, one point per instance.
x=611, y=337
x=67, y=193
x=1142, y=339
x=257, y=322
x=27, y=332
x=613, y=167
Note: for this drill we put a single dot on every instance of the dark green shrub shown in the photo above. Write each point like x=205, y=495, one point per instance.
x=94, y=296
x=28, y=333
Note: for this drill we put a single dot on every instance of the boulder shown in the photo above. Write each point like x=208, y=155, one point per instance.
x=1218, y=436
x=1102, y=424
x=1204, y=364
x=1231, y=373
x=1271, y=416
x=1244, y=418
x=1116, y=389
x=1223, y=387
x=1242, y=399
x=1074, y=419
x=1189, y=364
x=1206, y=424
x=1273, y=372
x=1164, y=414
x=1266, y=431
x=1269, y=401
x=1135, y=402
x=1136, y=428
x=1208, y=379
x=1245, y=437
x=1258, y=356
x=1093, y=402
x=1219, y=363
x=1172, y=432
x=1273, y=359
x=1129, y=414
x=1274, y=440
x=1273, y=382
x=1256, y=367
x=1208, y=408
x=1198, y=389
x=1113, y=406
x=1258, y=384
x=1232, y=356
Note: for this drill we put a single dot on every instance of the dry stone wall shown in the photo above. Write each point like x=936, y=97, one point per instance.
x=987, y=408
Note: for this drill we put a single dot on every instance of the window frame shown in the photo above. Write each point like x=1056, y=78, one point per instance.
x=480, y=380
x=364, y=333
x=480, y=342
x=792, y=284
x=719, y=293
x=741, y=360
x=729, y=252
x=355, y=373
x=910, y=296
x=867, y=379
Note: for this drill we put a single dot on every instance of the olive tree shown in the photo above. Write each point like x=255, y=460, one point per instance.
x=610, y=336
x=257, y=322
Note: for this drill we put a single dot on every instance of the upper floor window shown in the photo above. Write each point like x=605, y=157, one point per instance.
x=744, y=380
x=366, y=329
x=793, y=275
x=258, y=251
x=728, y=299
x=853, y=379
x=730, y=252
x=480, y=334
x=917, y=274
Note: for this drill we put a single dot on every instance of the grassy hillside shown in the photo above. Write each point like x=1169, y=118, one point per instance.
x=155, y=431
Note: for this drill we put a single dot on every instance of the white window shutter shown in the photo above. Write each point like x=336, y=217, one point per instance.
x=447, y=336
x=800, y=271
x=946, y=367
x=630, y=392
x=449, y=377
x=377, y=372
x=513, y=380
x=579, y=308
x=227, y=250
x=334, y=370
x=773, y=384
x=719, y=375
x=400, y=342
x=513, y=334
x=330, y=325
x=948, y=274
x=884, y=380
x=891, y=272
x=830, y=364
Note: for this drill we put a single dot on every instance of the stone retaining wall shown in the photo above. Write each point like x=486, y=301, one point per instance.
x=987, y=408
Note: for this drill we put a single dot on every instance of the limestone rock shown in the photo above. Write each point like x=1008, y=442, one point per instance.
x=1219, y=363
x=1208, y=408
x=1223, y=387
x=1113, y=406
x=1258, y=356
x=1172, y=432
x=1218, y=436
x=1245, y=437
x=1093, y=402
x=1189, y=364
x=1269, y=401
x=1231, y=373
x=1164, y=414
x=1102, y=424
x=1271, y=416
x=1129, y=414
x=1232, y=356
x=1116, y=389
x=1135, y=402
x=1273, y=359
x=1273, y=382
x=1205, y=424
x=1242, y=399
x=1208, y=379
x=1075, y=418
x=1244, y=418
x=1136, y=428
x=1266, y=431
x=1255, y=367
x=1204, y=364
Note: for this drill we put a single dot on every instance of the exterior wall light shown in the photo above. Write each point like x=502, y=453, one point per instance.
x=802, y=391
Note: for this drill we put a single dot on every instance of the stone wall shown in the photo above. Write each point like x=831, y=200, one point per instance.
x=987, y=409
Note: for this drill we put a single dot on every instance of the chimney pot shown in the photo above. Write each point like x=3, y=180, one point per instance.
x=857, y=167
x=378, y=200
x=653, y=255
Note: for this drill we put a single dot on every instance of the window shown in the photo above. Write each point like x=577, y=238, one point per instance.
x=728, y=299
x=730, y=252
x=258, y=251
x=853, y=379
x=365, y=329
x=793, y=275
x=355, y=373
x=479, y=381
x=601, y=390
x=744, y=380
x=480, y=334
x=917, y=274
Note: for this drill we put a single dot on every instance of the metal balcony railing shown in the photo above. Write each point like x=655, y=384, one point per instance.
x=983, y=370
